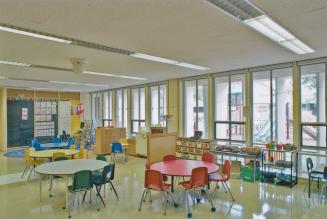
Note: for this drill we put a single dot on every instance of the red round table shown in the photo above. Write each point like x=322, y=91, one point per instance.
x=182, y=167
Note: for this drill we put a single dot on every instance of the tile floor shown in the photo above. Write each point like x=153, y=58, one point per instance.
x=20, y=199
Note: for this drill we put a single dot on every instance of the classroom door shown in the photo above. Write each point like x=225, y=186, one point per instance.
x=20, y=122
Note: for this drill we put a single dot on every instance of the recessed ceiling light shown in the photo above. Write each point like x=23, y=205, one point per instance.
x=14, y=63
x=26, y=32
x=113, y=75
x=252, y=16
x=75, y=83
x=168, y=61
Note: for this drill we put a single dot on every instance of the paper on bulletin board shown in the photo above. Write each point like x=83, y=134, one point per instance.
x=64, y=114
x=24, y=113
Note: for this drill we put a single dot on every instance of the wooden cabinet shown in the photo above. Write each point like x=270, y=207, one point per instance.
x=105, y=136
x=187, y=148
x=131, y=149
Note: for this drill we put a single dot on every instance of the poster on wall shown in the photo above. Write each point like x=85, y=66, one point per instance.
x=24, y=113
x=64, y=120
x=45, y=117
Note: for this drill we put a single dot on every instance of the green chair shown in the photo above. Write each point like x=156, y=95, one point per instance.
x=81, y=183
x=101, y=157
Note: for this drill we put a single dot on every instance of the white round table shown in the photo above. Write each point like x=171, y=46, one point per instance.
x=67, y=168
x=49, y=153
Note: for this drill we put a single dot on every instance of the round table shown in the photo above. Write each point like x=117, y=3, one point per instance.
x=49, y=153
x=67, y=168
x=182, y=167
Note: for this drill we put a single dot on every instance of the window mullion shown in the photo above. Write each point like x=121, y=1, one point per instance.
x=229, y=107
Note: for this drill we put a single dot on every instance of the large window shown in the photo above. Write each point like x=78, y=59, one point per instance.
x=121, y=108
x=138, y=109
x=313, y=105
x=229, y=102
x=97, y=109
x=273, y=106
x=107, y=108
x=196, y=107
x=158, y=99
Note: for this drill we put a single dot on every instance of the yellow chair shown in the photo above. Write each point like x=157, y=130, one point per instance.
x=83, y=154
x=72, y=147
x=30, y=162
x=58, y=154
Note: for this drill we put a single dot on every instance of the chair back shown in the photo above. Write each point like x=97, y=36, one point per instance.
x=82, y=180
x=34, y=141
x=58, y=154
x=169, y=157
x=117, y=148
x=153, y=180
x=83, y=153
x=57, y=141
x=208, y=157
x=309, y=164
x=106, y=170
x=199, y=177
x=27, y=155
x=123, y=141
x=101, y=157
x=226, y=169
x=37, y=146
x=72, y=147
x=325, y=172
x=60, y=158
x=112, y=175
x=147, y=165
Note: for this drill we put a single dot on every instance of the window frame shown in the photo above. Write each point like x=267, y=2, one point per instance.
x=162, y=123
x=318, y=123
x=139, y=120
x=229, y=121
x=109, y=110
x=122, y=91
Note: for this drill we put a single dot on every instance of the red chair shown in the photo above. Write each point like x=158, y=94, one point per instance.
x=169, y=157
x=198, y=180
x=208, y=157
x=223, y=178
x=153, y=181
x=147, y=165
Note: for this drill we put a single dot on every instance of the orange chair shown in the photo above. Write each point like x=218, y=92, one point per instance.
x=30, y=162
x=153, y=181
x=169, y=157
x=208, y=157
x=147, y=165
x=223, y=178
x=198, y=180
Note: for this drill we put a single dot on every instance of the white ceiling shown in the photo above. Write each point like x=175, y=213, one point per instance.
x=192, y=31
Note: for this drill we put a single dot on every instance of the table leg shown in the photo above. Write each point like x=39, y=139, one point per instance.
x=40, y=181
x=309, y=193
x=172, y=183
x=67, y=201
x=254, y=167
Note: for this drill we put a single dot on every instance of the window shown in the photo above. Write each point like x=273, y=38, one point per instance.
x=138, y=109
x=273, y=106
x=121, y=108
x=313, y=105
x=96, y=109
x=229, y=102
x=107, y=108
x=158, y=104
x=196, y=107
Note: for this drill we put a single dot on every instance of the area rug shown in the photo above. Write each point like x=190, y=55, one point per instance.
x=16, y=154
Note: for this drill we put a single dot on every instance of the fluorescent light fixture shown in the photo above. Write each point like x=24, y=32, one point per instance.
x=277, y=33
x=2, y=77
x=33, y=34
x=113, y=75
x=52, y=89
x=252, y=16
x=187, y=65
x=75, y=83
x=14, y=63
x=168, y=61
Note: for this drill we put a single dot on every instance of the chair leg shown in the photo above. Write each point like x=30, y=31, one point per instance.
x=230, y=192
x=112, y=186
x=29, y=176
x=69, y=206
x=189, y=213
x=224, y=187
x=142, y=198
x=209, y=197
x=98, y=190
x=50, y=187
x=24, y=170
x=84, y=196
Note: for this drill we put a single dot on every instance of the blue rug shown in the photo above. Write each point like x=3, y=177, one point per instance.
x=17, y=154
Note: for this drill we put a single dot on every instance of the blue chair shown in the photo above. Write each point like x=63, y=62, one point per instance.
x=100, y=180
x=117, y=149
x=37, y=146
x=71, y=143
x=57, y=141
x=34, y=141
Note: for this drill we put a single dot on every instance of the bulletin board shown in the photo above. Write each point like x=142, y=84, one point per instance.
x=64, y=117
x=20, y=122
x=45, y=119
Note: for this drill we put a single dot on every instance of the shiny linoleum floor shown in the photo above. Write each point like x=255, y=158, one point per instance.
x=252, y=200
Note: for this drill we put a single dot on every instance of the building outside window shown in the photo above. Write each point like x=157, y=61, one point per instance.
x=138, y=109
x=158, y=101
x=273, y=106
x=121, y=108
x=107, y=108
x=97, y=109
x=229, y=102
x=196, y=107
x=313, y=105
